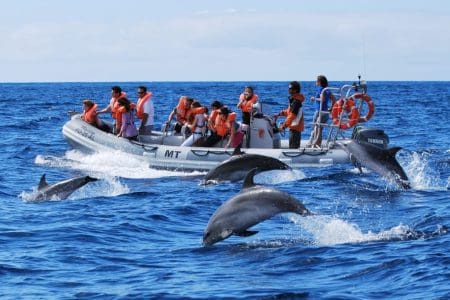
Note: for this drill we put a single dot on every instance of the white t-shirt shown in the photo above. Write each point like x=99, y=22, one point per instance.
x=201, y=122
x=148, y=109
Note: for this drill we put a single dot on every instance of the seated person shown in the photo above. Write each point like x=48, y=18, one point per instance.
x=90, y=115
x=180, y=111
x=196, y=123
x=224, y=126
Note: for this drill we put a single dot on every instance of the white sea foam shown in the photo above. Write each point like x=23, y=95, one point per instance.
x=279, y=176
x=421, y=175
x=114, y=163
x=327, y=230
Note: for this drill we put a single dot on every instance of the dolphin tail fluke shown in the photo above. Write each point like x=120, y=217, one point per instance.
x=42, y=183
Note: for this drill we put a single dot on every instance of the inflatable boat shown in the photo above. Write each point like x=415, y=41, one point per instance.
x=163, y=150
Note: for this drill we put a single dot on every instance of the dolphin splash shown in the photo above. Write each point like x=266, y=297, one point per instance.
x=60, y=190
x=381, y=161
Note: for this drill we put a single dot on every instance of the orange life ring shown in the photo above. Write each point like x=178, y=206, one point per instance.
x=351, y=110
x=370, y=105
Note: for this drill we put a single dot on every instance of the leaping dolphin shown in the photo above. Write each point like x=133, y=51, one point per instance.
x=381, y=161
x=60, y=190
x=239, y=164
x=251, y=206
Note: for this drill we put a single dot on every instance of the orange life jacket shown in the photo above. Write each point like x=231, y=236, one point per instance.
x=115, y=105
x=140, y=105
x=194, y=111
x=90, y=115
x=294, y=121
x=247, y=104
x=223, y=127
x=182, y=110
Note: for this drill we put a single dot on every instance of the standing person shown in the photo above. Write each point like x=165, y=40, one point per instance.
x=294, y=115
x=113, y=106
x=145, y=111
x=321, y=114
x=127, y=129
x=246, y=101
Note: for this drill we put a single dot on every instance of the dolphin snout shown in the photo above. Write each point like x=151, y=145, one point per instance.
x=89, y=179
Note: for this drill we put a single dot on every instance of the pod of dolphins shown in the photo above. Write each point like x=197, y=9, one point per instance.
x=254, y=203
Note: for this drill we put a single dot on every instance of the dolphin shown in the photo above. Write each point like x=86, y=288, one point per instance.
x=381, y=161
x=251, y=206
x=60, y=190
x=239, y=164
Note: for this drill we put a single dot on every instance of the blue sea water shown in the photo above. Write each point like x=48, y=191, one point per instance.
x=137, y=232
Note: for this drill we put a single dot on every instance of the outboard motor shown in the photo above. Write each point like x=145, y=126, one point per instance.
x=374, y=136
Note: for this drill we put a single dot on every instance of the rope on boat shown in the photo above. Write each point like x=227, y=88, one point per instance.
x=207, y=152
x=145, y=147
x=303, y=152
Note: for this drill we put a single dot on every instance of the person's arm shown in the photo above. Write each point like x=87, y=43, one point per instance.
x=232, y=134
x=171, y=115
x=124, y=125
x=106, y=109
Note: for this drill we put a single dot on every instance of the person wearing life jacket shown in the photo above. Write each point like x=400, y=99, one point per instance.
x=294, y=115
x=113, y=106
x=127, y=128
x=224, y=125
x=246, y=101
x=145, y=111
x=215, y=109
x=180, y=111
x=90, y=115
x=196, y=123
x=322, y=111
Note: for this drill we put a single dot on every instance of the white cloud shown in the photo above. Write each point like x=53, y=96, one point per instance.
x=233, y=45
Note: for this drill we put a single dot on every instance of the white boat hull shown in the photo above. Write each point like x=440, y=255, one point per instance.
x=162, y=151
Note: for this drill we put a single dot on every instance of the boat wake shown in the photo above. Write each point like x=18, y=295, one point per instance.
x=328, y=231
x=115, y=163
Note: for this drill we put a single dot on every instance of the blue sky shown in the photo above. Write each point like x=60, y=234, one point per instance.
x=138, y=40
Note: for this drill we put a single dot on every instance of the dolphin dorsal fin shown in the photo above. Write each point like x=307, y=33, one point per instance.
x=392, y=151
x=237, y=151
x=42, y=183
x=248, y=180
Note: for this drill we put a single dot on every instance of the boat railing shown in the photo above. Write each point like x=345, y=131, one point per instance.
x=317, y=124
x=345, y=93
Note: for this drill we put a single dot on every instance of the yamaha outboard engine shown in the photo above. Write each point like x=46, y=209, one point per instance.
x=374, y=136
